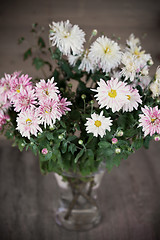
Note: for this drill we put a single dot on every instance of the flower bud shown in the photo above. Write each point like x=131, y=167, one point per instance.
x=94, y=32
x=44, y=151
x=32, y=143
x=22, y=144
x=150, y=62
x=117, y=150
x=83, y=96
x=156, y=138
x=92, y=102
x=114, y=140
x=52, y=128
x=39, y=134
x=80, y=142
x=120, y=133
x=60, y=137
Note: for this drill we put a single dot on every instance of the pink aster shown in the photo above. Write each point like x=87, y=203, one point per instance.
x=111, y=94
x=48, y=112
x=46, y=90
x=3, y=118
x=4, y=105
x=5, y=86
x=25, y=99
x=17, y=84
x=150, y=120
x=28, y=122
x=63, y=105
x=134, y=99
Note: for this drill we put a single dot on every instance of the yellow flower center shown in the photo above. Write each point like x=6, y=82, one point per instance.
x=138, y=53
x=153, y=120
x=29, y=121
x=66, y=34
x=18, y=90
x=46, y=92
x=97, y=123
x=112, y=93
x=128, y=97
x=107, y=50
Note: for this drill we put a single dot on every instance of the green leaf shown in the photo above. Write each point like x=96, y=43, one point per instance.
x=109, y=164
x=104, y=144
x=64, y=146
x=72, y=148
x=79, y=155
x=130, y=132
x=41, y=43
x=20, y=40
x=48, y=156
x=63, y=124
x=71, y=138
x=138, y=143
x=38, y=62
x=147, y=141
x=49, y=136
x=27, y=54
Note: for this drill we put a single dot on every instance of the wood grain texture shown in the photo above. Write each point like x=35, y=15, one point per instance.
x=129, y=198
x=130, y=195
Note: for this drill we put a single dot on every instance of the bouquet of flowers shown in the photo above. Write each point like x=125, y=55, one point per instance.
x=97, y=105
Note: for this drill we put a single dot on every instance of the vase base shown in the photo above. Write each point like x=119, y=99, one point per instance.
x=79, y=220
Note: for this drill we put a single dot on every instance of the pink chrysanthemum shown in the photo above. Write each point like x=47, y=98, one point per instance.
x=47, y=90
x=63, y=105
x=4, y=105
x=111, y=94
x=150, y=120
x=48, y=112
x=5, y=85
x=18, y=84
x=28, y=122
x=134, y=99
x=3, y=118
x=25, y=99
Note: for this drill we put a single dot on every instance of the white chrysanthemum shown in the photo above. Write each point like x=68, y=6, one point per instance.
x=133, y=100
x=86, y=62
x=105, y=53
x=73, y=59
x=111, y=94
x=155, y=88
x=67, y=37
x=131, y=66
x=135, y=48
x=132, y=41
x=98, y=124
x=157, y=76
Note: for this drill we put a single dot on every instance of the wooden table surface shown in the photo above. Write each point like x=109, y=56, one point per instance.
x=129, y=199
x=130, y=195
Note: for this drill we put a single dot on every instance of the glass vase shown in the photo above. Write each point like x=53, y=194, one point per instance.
x=78, y=208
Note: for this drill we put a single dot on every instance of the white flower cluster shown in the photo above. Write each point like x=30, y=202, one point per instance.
x=103, y=54
x=155, y=86
x=135, y=61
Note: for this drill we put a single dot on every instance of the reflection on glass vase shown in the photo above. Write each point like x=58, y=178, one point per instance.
x=78, y=209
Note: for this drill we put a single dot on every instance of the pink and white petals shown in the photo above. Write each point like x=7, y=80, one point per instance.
x=150, y=120
x=28, y=123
